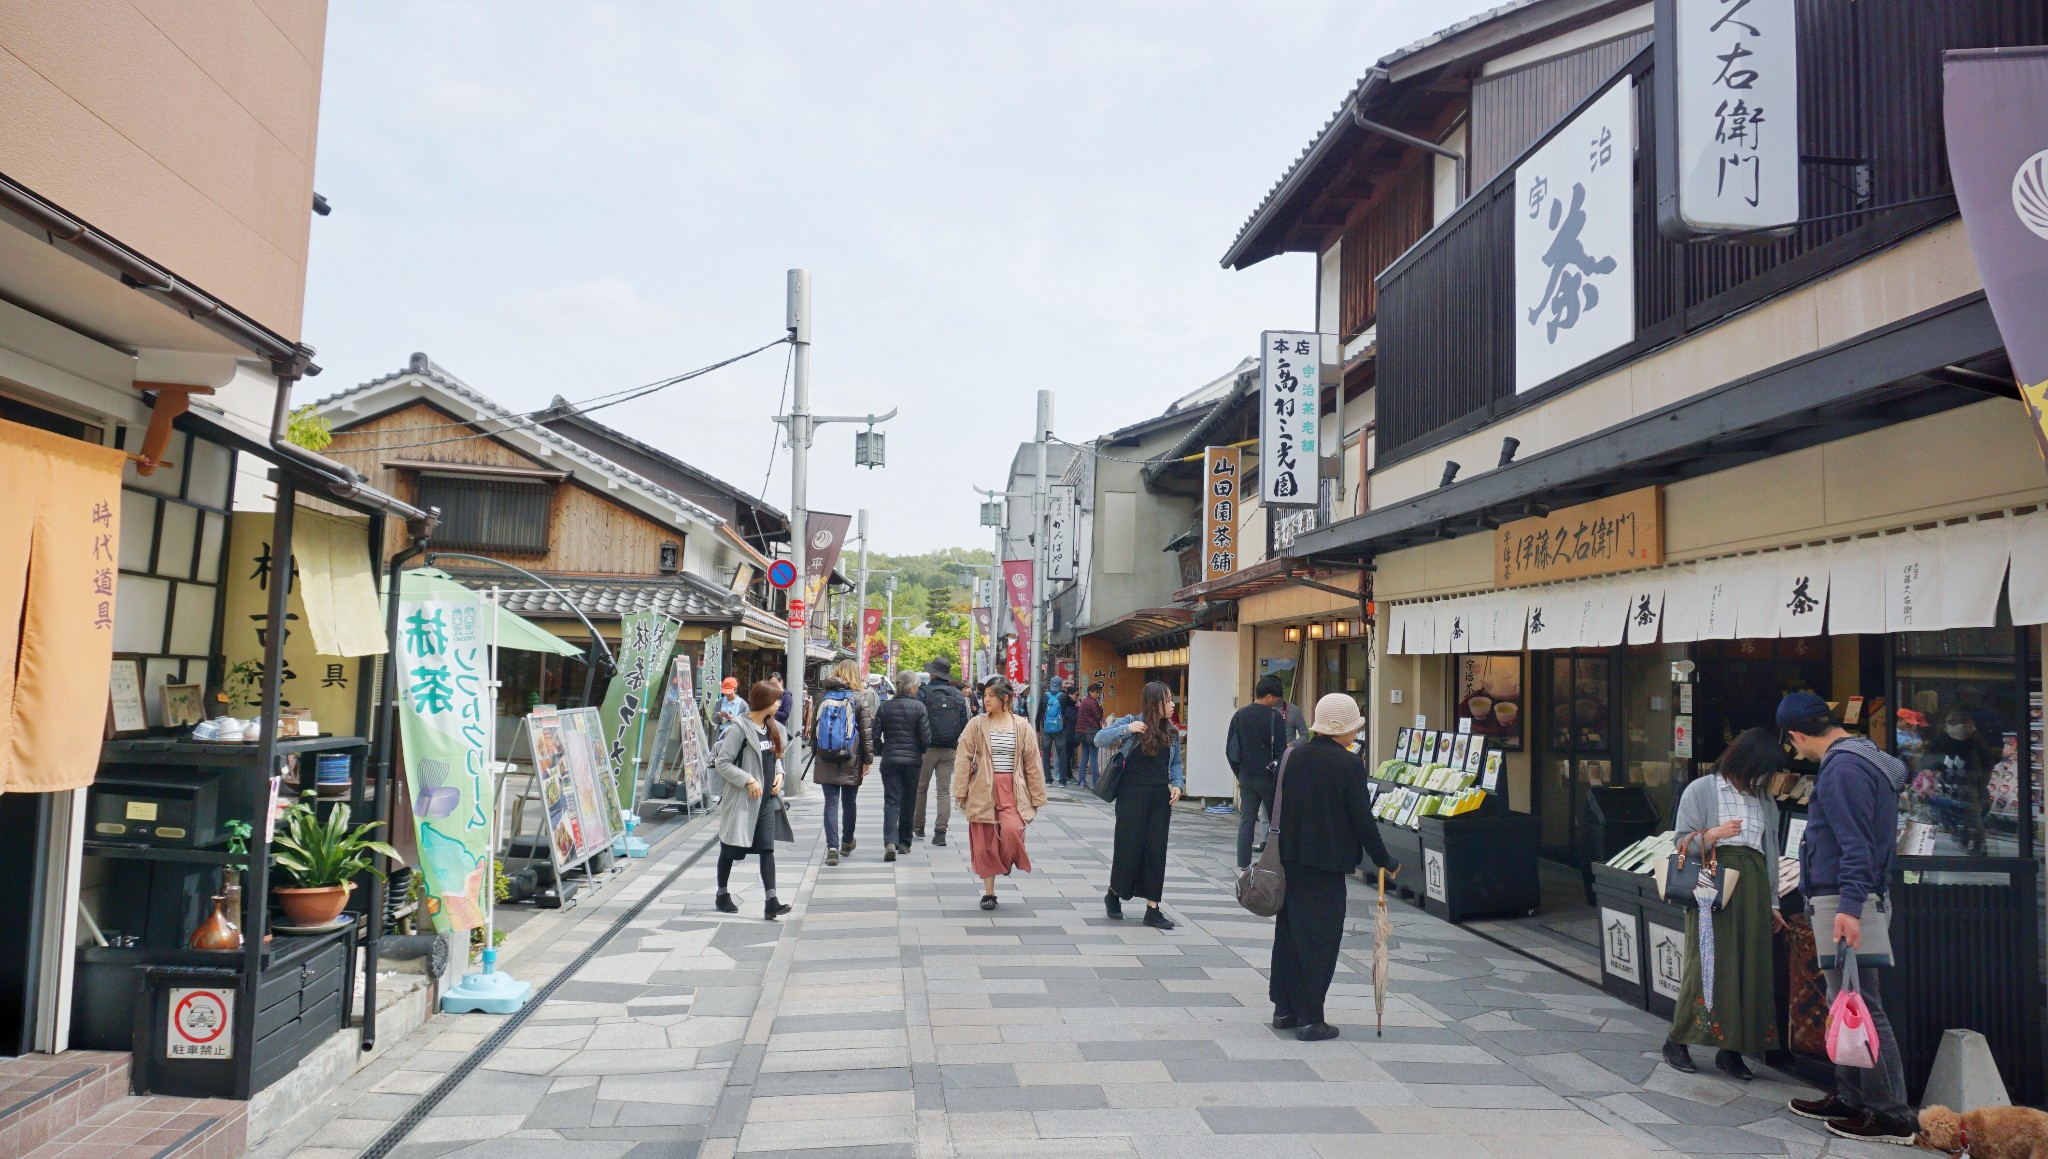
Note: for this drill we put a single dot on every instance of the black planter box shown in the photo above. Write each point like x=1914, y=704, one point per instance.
x=1479, y=866
x=1404, y=846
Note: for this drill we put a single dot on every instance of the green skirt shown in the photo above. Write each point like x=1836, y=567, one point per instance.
x=1744, y=1016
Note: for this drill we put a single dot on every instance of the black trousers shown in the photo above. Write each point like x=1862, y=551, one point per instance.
x=899, y=801
x=727, y=854
x=1137, y=865
x=1251, y=794
x=1306, y=939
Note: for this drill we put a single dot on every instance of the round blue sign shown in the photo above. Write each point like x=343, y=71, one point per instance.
x=782, y=573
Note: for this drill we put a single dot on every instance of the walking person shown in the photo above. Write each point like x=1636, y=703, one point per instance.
x=903, y=734
x=999, y=784
x=731, y=706
x=1088, y=722
x=1325, y=827
x=1728, y=812
x=948, y=709
x=1149, y=744
x=751, y=815
x=1259, y=734
x=1055, y=714
x=842, y=742
x=1845, y=871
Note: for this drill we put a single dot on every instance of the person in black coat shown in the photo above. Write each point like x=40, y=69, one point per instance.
x=903, y=731
x=1326, y=824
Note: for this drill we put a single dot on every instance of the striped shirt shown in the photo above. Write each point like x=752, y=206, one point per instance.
x=1745, y=807
x=1002, y=747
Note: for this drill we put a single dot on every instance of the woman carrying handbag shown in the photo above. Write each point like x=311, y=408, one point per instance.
x=1145, y=780
x=1726, y=998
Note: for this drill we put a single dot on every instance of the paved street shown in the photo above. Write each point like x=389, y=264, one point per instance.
x=889, y=1016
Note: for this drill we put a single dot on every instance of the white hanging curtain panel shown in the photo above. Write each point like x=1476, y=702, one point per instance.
x=1911, y=581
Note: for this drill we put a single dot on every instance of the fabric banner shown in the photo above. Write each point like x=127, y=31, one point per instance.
x=1510, y=618
x=1974, y=556
x=60, y=530
x=1541, y=624
x=1716, y=605
x=1856, y=588
x=825, y=534
x=1645, y=607
x=713, y=675
x=338, y=582
x=1998, y=157
x=2029, y=591
x=1017, y=580
x=1802, y=595
x=1756, y=596
x=871, y=635
x=646, y=641
x=1681, y=605
x=1610, y=627
x=446, y=719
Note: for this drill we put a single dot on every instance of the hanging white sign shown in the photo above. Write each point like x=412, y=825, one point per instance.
x=1734, y=115
x=1575, y=242
x=1290, y=390
x=1060, y=555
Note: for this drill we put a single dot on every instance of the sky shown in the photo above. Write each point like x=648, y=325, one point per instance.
x=992, y=200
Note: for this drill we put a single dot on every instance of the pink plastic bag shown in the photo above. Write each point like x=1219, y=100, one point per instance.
x=1852, y=1039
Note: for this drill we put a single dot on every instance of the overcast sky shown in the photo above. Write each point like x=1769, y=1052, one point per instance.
x=993, y=199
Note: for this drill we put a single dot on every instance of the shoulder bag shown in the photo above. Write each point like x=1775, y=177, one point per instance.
x=1877, y=929
x=1678, y=884
x=1112, y=778
x=1262, y=886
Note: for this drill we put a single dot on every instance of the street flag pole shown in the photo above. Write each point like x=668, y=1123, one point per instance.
x=487, y=991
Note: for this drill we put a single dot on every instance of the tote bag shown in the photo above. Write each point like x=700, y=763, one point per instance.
x=1851, y=1038
x=1262, y=887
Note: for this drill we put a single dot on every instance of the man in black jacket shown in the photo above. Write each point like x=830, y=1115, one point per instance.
x=1259, y=735
x=948, y=710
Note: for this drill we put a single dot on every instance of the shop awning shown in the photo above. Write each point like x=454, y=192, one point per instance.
x=684, y=596
x=512, y=632
x=1134, y=626
x=1911, y=580
x=1266, y=575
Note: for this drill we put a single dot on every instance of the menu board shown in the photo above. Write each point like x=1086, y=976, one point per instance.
x=1489, y=695
x=575, y=783
x=681, y=753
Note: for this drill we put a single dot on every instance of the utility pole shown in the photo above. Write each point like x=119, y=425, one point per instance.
x=994, y=516
x=889, y=632
x=1043, y=435
x=860, y=613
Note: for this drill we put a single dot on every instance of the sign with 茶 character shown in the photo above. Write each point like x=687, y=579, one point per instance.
x=1290, y=393
x=1727, y=91
x=1618, y=533
x=445, y=719
x=1575, y=242
x=1220, y=511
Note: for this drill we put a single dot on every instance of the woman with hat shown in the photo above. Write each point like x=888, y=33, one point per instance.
x=999, y=785
x=1325, y=820
x=1149, y=746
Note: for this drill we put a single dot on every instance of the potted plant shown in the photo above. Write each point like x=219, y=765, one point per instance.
x=242, y=687
x=322, y=860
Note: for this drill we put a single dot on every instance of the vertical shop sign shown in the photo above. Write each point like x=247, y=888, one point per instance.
x=445, y=720
x=1575, y=242
x=1998, y=155
x=646, y=641
x=826, y=532
x=1062, y=558
x=870, y=634
x=1727, y=100
x=966, y=668
x=1017, y=580
x=1290, y=394
x=1219, y=511
x=714, y=673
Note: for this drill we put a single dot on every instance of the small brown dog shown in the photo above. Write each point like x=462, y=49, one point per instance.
x=1986, y=1133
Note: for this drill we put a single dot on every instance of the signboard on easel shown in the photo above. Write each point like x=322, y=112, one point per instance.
x=681, y=753
x=576, y=787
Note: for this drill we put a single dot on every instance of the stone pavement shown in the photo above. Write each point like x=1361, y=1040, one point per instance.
x=888, y=1016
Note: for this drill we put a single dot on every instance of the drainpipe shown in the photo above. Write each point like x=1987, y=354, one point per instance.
x=1378, y=76
x=387, y=693
x=341, y=481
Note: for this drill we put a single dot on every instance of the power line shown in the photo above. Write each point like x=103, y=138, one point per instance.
x=596, y=403
x=774, y=439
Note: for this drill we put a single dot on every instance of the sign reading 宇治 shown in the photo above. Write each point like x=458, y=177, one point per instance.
x=1734, y=115
x=1575, y=242
x=1290, y=390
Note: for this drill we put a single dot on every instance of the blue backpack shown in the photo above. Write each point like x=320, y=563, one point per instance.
x=836, y=735
x=1055, y=720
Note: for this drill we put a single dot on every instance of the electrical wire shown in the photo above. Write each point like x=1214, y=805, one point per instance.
x=531, y=418
x=1090, y=447
x=775, y=438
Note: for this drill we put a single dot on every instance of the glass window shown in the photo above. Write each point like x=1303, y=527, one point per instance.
x=1958, y=722
x=489, y=513
x=1650, y=716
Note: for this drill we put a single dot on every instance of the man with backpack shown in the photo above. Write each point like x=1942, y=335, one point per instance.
x=1055, y=720
x=947, y=711
x=1259, y=736
x=842, y=739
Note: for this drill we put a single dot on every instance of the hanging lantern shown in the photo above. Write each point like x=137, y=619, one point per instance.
x=1315, y=630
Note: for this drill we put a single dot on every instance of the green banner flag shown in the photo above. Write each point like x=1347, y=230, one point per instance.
x=646, y=640
x=445, y=717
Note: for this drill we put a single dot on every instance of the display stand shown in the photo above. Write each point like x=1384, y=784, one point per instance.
x=1471, y=864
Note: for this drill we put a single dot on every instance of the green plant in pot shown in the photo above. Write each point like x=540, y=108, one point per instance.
x=322, y=860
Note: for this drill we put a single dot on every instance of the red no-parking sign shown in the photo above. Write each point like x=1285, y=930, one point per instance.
x=202, y=1024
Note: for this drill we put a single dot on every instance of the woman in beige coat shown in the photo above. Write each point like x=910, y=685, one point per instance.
x=999, y=784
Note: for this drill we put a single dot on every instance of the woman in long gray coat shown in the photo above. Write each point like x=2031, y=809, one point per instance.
x=750, y=805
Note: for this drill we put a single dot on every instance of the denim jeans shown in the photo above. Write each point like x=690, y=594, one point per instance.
x=1251, y=795
x=838, y=798
x=1880, y=1089
x=1056, y=756
x=899, y=792
x=1090, y=759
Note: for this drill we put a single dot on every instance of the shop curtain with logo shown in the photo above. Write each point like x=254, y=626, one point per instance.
x=60, y=531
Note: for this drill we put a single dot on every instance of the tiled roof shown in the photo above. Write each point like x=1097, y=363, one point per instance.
x=685, y=597
x=423, y=367
x=1343, y=109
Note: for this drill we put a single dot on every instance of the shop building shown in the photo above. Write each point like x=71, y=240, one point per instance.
x=1603, y=542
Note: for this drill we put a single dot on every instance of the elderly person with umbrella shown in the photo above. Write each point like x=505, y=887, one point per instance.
x=1325, y=823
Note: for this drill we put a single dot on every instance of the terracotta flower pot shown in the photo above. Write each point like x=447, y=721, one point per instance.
x=313, y=907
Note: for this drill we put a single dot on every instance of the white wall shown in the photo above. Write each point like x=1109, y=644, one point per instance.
x=1212, y=698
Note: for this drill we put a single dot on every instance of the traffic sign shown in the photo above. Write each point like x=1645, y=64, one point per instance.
x=796, y=612
x=782, y=573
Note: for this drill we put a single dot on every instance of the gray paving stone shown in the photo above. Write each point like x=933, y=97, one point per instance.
x=1046, y=1098
x=1286, y=1121
x=1257, y=1070
x=1152, y=1049
x=845, y=1082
